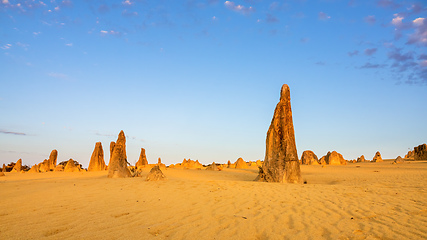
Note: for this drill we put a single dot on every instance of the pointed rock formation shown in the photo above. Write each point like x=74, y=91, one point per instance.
x=334, y=158
x=361, y=159
x=410, y=154
x=4, y=168
x=71, y=166
x=281, y=159
x=118, y=163
x=112, y=144
x=59, y=168
x=97, y=159
x=142, y=161
x=399, y=159
x=240, y=163
x=420, y=152
x=52, y=159
x=34, y=169
x=228, y=164
x=155, y=174
x=213, y=167
x=309, y=158
x=18, y=166
x=160, y=164
x=377, y=157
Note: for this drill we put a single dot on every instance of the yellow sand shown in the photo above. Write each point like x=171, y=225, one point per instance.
x=356, y=201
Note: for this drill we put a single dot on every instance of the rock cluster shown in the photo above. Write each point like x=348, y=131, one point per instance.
x=399, y=159
x=420, y=152
x=333, y=158
x=118, y=163
x=410, y=154
x=377, y=157
x=213, y=167
x=309, y=158
x=281, y=159
x=97, y=162
x=361, y=159
x=71, y=166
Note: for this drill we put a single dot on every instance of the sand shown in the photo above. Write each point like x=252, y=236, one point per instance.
x=356, y=201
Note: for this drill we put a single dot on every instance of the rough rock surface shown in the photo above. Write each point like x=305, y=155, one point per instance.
x=309, y=158
x=2, y=174
x=112, y=144
x=399, y=159
x=228, y=164
x=160, y=164
x=420, y=152
x=52, y=159
x=18, y=166
x=281, y=159
x=59, y=168
x=410, y=154
x=335, y=158
x=361, y=159
x=240, y=163
x=142, y=161
x=377, y=157
x=118, y=163
x=97, y=162
x=71, y=166
x=155, y=174
x=44, y=166
x=213, y=167
x=190, y=164
x=4, y=168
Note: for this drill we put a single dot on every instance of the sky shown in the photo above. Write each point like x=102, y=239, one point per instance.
x=201, y=79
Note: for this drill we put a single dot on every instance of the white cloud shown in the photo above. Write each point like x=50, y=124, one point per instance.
x=127, y=3
x=5, y=1
x=69, y=44
x=397, y=20
x=6, y=46
x=238, y=8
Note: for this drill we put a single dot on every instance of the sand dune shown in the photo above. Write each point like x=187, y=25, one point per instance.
x=356, y=201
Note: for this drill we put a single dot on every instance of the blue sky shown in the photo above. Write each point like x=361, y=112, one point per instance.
x=200, y=79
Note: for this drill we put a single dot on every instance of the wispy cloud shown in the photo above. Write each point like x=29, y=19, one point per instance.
x=69, y=44
x=370, y=65
x=370, y=19
x=110, y=32
x=57, y=75
x=6, y=46
x=370, y=51
x=323, y=16
x=419, y=36
x=13, y=133
x=239, y=8
x=271, y=19
x=127, y=13
x=354, y=53
x=388, y=4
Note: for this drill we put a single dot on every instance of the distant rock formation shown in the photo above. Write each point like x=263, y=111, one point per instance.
x=59, y=168
x=160, y=164
x=377, y=157
x=240, y=163
x=71, y=166
x=18, y=166
x=361, y=159
x=228, y=164
x=309, y=158
x=34, y=169
x=281, y=159
x=410, y=154
x=118, y=163
x=399, y=159
x=112, y=144
x=4, y=168
x=190, y=164
x=155, y=174
x=97, y=159
x=52, y=159
x=44, y=166
x=334, y=158
x=322, y=160
x=212, y=167
x=142, y=161
x=420, y=152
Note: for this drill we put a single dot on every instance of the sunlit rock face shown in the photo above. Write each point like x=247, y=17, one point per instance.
x=118, y=163
x=97, y=162
x=281, y=159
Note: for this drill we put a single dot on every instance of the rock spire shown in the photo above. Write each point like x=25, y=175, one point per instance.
x=118, y=163
x=97, y=159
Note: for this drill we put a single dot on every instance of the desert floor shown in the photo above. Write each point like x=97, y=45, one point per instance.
x=356, y=201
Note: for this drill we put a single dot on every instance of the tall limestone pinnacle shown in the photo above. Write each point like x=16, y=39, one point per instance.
x=142, y=161
x=281, y=159
x=118, y=163
x=97, y=160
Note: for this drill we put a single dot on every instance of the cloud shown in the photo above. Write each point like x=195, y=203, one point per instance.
x=354, y=53
x=69, y=44
x=419, y=37
x=370, y=51
x=388, y=4
x=370, y=65
x=6, y=46
x=323, y=16
x=127, y=3
x=13, y=133
x=422, y=56
x=271, y=19
x=111, y=32
x=239, y=8
x=399, y=57
x=57, y=75
x=370, y=19
x=127, y=13
x=103, y=8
